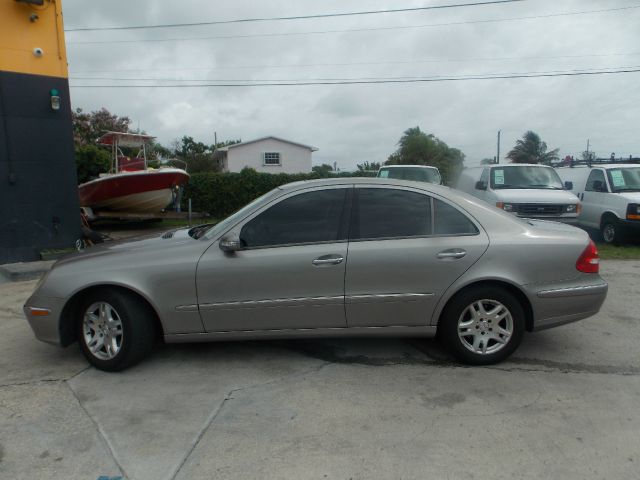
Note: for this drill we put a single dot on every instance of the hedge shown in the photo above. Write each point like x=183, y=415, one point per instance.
x=221, y=194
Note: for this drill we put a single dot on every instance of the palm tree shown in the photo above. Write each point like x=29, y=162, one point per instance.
x=531, y=149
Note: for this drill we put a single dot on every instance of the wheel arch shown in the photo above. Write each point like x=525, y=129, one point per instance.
x=608, y=214
x=509, y=287
x=70, y=311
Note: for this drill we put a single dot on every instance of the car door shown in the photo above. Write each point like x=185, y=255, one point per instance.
x=289, y=272
x=592, y=198
x=406, y=248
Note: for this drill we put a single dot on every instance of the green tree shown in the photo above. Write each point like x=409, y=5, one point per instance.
x=91, y=161
x=87, y=127
x=418, y=148
x=369, y=166
x=531, y=149
x=323, y=170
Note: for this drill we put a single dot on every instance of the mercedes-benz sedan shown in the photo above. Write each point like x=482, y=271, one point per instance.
x=338, y=257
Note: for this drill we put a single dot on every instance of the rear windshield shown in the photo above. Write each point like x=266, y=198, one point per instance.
x=416, y=174
x=535, y=177
x=624, y=179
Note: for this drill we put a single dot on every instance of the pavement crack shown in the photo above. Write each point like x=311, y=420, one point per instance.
x=230, y=396
x=101, y=434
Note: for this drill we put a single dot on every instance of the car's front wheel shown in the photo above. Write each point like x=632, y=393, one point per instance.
x=115, y=329
x=483, y=325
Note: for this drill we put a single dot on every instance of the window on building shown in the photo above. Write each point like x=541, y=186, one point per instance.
x=272, y=158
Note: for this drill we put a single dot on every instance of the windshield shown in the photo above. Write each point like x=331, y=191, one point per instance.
x=228, y=222
x=416, y=174
x=525, y=177
x=624, y=179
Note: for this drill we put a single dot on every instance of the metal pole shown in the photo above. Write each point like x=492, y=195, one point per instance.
x=189, y=212
x=498, y=155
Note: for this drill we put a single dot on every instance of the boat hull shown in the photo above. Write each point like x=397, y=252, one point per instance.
x=140, y=191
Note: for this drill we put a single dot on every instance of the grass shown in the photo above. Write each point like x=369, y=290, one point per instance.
x=612, y=252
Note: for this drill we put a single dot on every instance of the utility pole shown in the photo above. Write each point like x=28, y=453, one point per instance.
x=215, y=139
x=498, y=155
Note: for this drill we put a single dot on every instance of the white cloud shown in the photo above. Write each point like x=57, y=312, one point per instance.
x=354, y=123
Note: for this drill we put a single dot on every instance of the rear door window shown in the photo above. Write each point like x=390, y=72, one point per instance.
x=390, y=213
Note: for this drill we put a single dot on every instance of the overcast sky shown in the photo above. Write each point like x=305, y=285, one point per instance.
x=353, y=123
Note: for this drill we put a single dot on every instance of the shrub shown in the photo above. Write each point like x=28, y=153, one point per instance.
x=221, y=194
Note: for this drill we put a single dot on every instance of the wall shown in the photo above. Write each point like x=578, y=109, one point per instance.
x=293, y=158
x=38, y=188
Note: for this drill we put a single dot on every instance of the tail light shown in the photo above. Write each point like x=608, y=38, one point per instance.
x=589, y=261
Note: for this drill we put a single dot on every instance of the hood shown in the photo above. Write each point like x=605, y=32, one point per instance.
x=633, y=197
x=538, y=195
x=155, y=242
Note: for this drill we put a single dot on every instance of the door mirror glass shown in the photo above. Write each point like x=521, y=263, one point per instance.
x=568, y=185
x=480, y=185
x=229, y=243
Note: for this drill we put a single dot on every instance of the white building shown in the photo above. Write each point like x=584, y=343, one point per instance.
x=267, y=155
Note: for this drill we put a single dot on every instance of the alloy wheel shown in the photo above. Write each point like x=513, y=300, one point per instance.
x=485, y=326
x=102, y=330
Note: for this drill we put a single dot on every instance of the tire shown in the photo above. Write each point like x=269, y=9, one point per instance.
x=124, y=320
x=499, y=317
x=612, y=231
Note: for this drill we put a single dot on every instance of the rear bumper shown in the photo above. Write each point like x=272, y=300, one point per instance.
x=564, y=304
x=43, y=315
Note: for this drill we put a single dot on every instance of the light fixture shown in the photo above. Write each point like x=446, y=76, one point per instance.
x=55, y=99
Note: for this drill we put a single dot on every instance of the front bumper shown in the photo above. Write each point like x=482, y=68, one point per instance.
x=46, y=327
x=559, y=305
x=569, y=220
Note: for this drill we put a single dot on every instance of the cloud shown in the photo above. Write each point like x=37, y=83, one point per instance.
x=354, y=123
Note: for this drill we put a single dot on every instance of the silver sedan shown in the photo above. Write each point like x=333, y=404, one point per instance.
x=338, y=257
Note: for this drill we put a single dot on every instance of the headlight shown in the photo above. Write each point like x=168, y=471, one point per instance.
x=633, y=211
x=507, y=207
x=571, y=208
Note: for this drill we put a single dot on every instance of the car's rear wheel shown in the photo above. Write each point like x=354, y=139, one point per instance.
x=115, y=329
x=483, y=325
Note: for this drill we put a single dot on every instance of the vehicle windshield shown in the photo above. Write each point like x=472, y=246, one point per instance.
x=624, y=179
x=228, y=222
x=519, y=176
x=416, y=174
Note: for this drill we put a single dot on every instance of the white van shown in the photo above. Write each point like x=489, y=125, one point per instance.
x=610, y=196
x=526, y=190
x=416, y=173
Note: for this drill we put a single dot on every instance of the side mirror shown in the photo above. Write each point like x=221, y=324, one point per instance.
x=229, y=243
x=568, y=185
x=598, y=186
x=480, y=185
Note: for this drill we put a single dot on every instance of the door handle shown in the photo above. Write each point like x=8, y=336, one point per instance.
x=328, y=260
x=452, y=254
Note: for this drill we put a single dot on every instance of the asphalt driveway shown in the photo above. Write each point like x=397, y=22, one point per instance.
x=567, y=405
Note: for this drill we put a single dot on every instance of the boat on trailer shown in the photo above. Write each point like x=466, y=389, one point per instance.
x=131, y=185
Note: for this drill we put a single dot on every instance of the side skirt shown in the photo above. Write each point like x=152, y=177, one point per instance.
x=426, y=331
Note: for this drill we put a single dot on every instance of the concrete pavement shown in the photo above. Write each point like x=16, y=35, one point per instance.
x=565, y=406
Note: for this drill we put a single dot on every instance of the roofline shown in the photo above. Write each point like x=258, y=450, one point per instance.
x=226, y=149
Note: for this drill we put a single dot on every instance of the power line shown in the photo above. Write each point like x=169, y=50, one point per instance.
x=325, y=79
x=369, y=82
x=352, y=30
x=382, y=62
x=297, y=17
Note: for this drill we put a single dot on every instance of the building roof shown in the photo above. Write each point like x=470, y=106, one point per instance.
x=271, y=137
